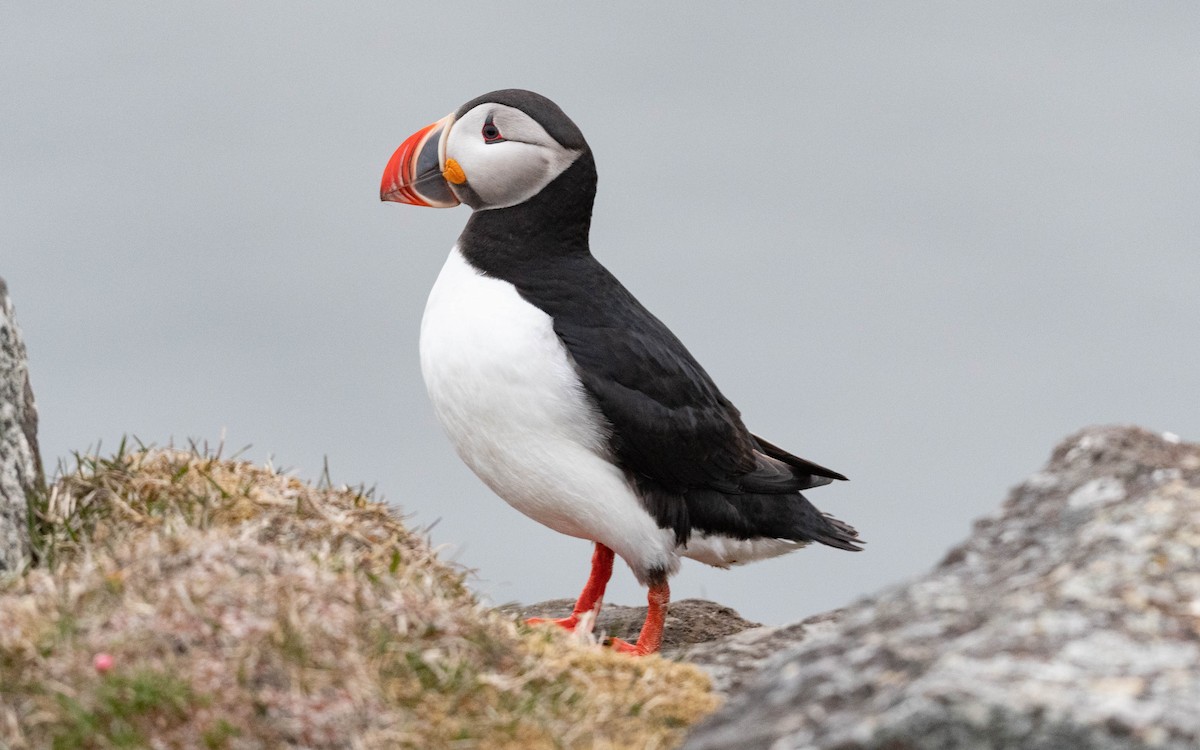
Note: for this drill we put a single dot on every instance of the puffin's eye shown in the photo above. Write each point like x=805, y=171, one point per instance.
x=491, y=133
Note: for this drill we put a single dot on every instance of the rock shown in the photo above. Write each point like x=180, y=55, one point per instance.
x=712, y=636
x=1071, y=620
x=736, y=659
x=689, y=621
x=20, y=463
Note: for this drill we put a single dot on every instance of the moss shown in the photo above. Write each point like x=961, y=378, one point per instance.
x=218, y=736
x=121, y=710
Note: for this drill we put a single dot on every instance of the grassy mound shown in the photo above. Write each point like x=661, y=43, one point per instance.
x=182, y=600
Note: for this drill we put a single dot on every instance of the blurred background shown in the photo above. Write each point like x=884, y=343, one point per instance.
x=919, y=243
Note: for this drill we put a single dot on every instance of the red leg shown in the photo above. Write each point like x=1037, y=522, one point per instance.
x=593, y=593
x=650, y=638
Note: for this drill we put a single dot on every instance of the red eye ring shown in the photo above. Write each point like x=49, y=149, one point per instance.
x=491, y=133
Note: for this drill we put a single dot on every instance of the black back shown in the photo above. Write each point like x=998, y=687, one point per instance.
x=671, y=429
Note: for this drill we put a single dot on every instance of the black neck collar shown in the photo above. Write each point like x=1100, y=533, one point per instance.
x=503, y=242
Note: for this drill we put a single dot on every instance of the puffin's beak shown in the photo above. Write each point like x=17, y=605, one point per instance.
x=414, y=173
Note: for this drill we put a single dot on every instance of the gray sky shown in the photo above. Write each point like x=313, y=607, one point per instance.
x=918, y=243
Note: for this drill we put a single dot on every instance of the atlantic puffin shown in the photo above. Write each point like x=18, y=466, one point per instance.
x=565, y=395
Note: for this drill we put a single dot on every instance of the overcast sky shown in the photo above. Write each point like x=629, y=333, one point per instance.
x=918, y=243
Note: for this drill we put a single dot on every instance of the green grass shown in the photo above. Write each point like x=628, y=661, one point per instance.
x=121, y=710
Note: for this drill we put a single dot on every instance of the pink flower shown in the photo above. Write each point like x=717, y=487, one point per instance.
x=102, y=662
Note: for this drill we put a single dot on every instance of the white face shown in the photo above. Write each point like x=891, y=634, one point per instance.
x=506, y=156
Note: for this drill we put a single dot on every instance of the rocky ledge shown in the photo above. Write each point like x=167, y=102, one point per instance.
x=1070, y=620
x=20, y=464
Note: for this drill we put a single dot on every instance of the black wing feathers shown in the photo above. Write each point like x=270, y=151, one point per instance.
x=683, y=442
x=804, y=465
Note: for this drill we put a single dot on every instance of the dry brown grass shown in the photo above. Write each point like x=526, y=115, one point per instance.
x=243, y=608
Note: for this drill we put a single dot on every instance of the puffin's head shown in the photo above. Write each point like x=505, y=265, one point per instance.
x=496, y=151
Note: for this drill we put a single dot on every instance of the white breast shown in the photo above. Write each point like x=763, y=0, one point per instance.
x=504, y=389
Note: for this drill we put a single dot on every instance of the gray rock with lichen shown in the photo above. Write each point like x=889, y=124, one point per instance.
x=735, y=660
x=20, y=464
x=1071, y=620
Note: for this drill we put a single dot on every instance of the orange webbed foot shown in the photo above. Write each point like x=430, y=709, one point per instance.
x=588, y=605
x=650, y=639
x=625, y=647
x=566, y=623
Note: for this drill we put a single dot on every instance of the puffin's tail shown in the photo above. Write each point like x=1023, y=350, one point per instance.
x=841, y=535
x=810, y=524
x=753, y=515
